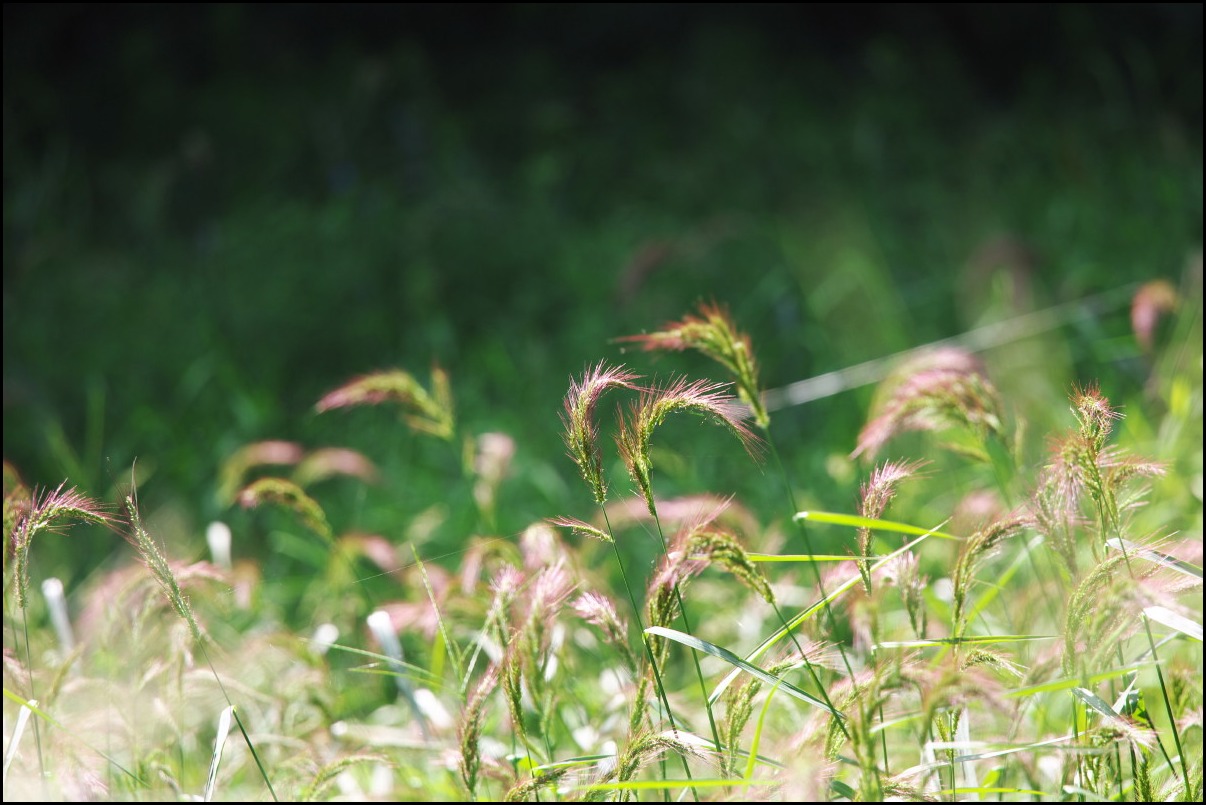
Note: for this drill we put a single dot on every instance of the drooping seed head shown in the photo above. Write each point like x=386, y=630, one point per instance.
x=699, y=397
x=49, y=511
x=714, y=334
x=581, y=432
x=939, y=391
x=428, y=412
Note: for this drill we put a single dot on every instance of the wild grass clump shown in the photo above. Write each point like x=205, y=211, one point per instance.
x=999, y=624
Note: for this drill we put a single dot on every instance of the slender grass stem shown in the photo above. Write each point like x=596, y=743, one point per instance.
x=33, y=695
x=1151, y=642
x=682, y=611
x=657, y=675
x=791, y=498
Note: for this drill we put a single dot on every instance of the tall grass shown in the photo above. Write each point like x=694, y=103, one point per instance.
x=995, y=623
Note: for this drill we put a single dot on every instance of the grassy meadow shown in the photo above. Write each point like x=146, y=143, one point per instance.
x=441, y=420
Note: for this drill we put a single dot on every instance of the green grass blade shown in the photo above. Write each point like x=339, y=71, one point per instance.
x=805, y=557
x=854, y=521
x=413, y=672
x=993, y=590
x=973, y=640
x=660, y=785
x=454, y=651
x=1095, y=702
x=757, y=739
x=733, y=659
x=259, y=764
x=1068, y=683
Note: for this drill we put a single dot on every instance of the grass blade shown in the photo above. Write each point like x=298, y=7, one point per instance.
x=660, y=785
x=733, y=659
x=1157, y=557
x=854, y=521
x=18, y=731
x=782, y=632
x=1182, y=624
x=805, y=557
x=973, y=640
x=219, y=744
x=1095, y=702
x=1068, y=683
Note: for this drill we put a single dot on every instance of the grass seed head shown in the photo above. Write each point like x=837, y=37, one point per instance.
x=655, y=404
x=45, y=511
x=875, y=495
x=714, y=334
x=943, y=390
x=427, y=412
x=290, y=495
x=581, y=432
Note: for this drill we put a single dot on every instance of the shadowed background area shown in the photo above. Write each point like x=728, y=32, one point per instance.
x=214, y=215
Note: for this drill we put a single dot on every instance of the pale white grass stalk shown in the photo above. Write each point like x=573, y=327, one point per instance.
x=382, y=627
x=18, y=731
x=52, y=589
x=325, y=635
x=1173, y=620
x=381, y=781
x=219, y=745
x=963, y=734
x=219, y=538
x=433, y=708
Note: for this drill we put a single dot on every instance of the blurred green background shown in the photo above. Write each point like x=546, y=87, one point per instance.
x=215, y=214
